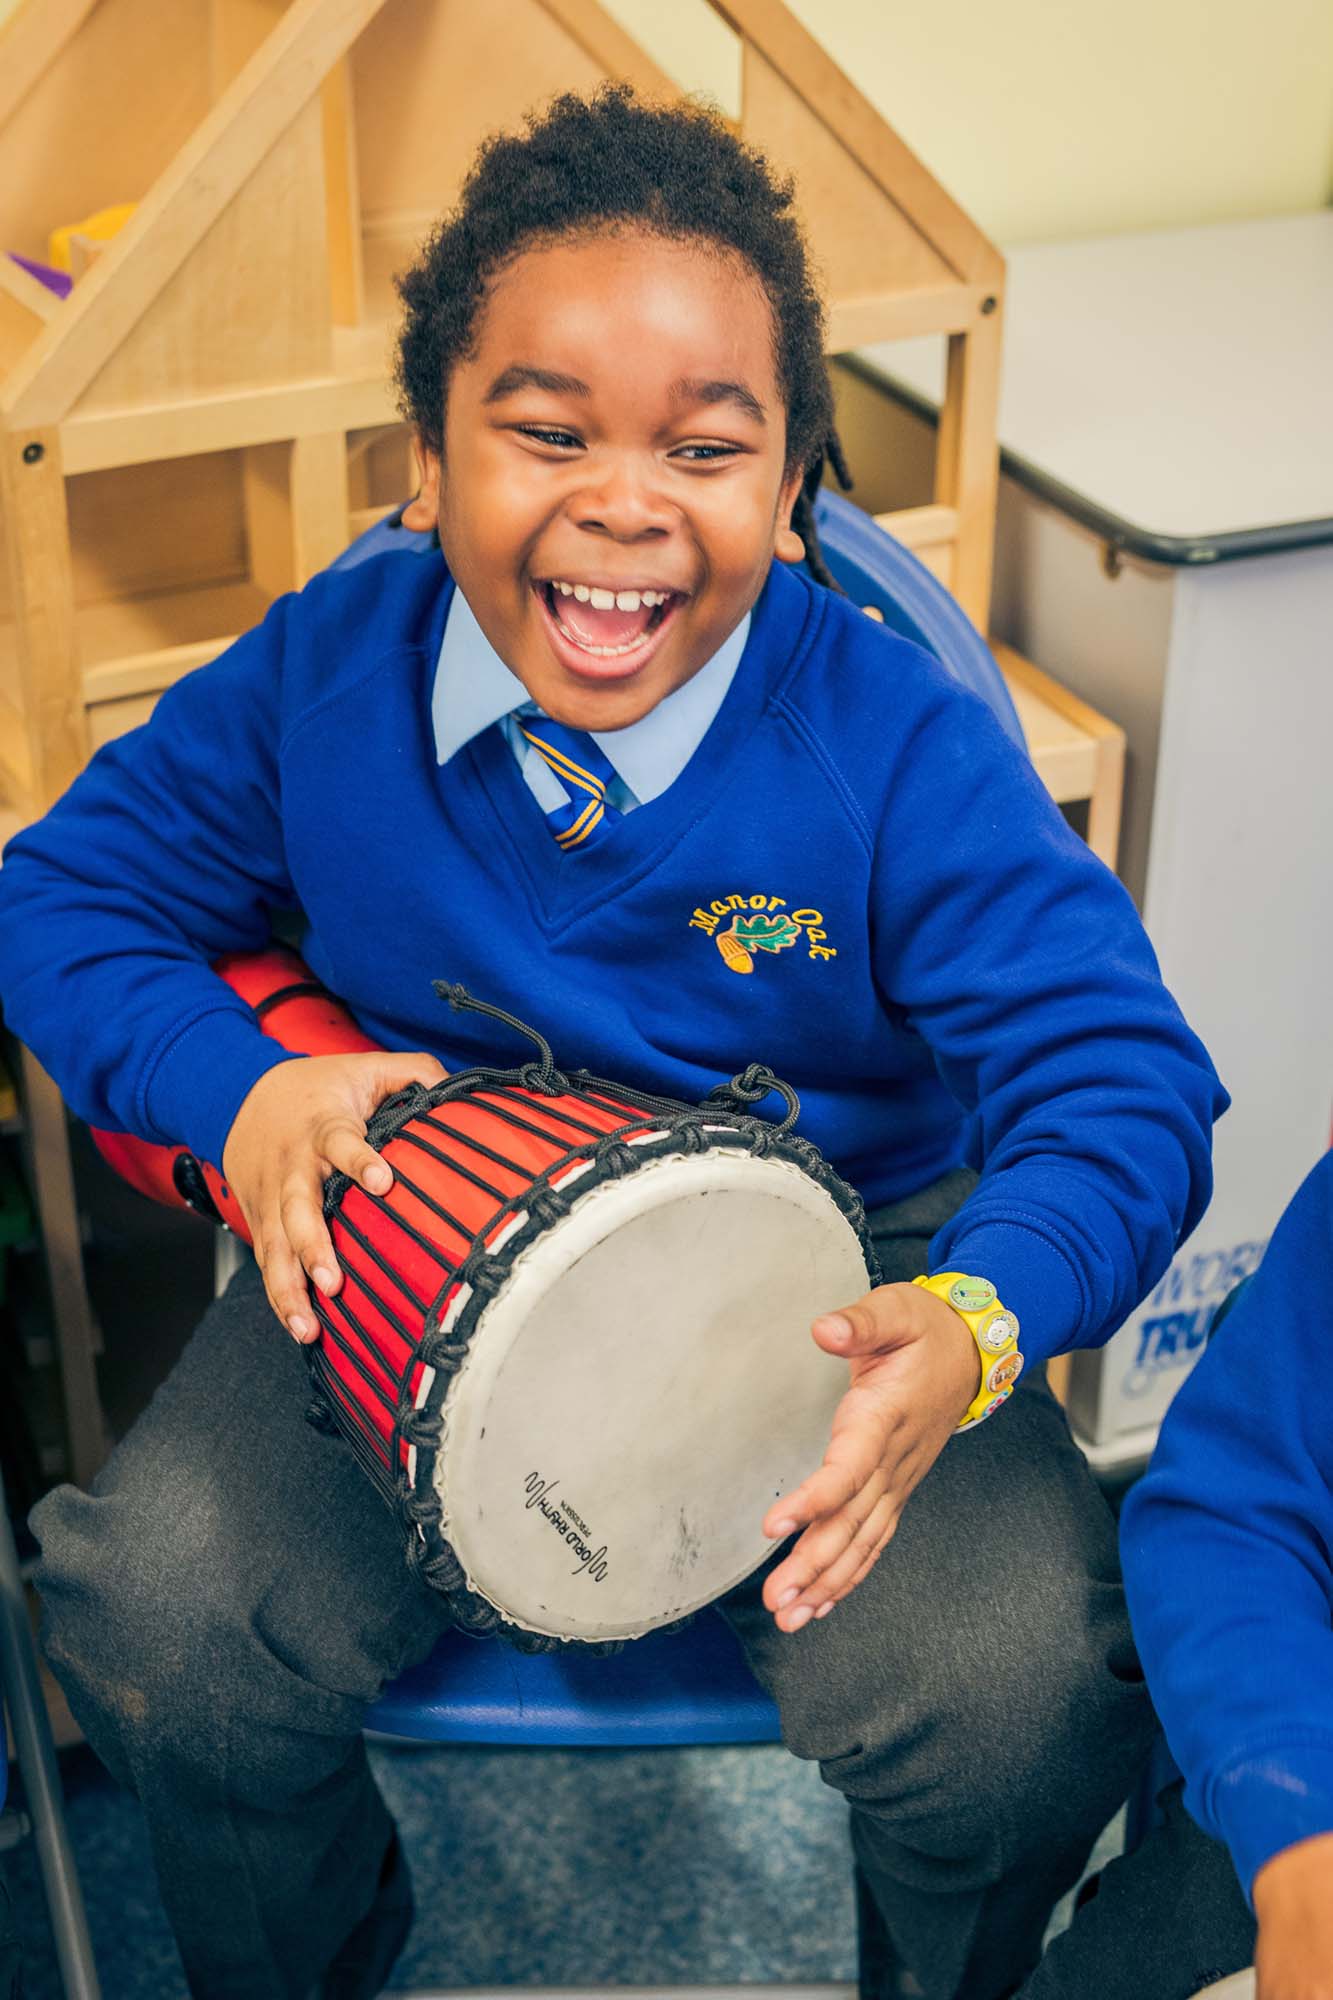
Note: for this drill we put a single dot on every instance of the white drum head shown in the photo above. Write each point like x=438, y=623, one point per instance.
x=642, y=1390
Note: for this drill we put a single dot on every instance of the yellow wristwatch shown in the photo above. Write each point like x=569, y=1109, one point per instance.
x=994, y=1329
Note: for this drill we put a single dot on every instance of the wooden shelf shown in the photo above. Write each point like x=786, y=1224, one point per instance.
x=1077, y=753
x=130, y=649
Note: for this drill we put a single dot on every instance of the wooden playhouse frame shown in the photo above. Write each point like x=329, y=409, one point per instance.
x=208, y=417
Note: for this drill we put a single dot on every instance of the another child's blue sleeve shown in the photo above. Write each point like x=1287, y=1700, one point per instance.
x=1228, y=1554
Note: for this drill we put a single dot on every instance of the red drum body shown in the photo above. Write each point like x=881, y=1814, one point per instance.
x=572, y=1343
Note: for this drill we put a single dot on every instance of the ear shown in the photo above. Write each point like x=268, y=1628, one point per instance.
x=787, y=544
x=423, y=509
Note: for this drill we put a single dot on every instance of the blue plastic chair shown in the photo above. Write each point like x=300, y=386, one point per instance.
x=691, y=1686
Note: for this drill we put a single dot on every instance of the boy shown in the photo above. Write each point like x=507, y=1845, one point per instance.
x=613, y=359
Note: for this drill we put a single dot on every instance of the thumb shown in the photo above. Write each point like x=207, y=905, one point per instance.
x=876, y=1322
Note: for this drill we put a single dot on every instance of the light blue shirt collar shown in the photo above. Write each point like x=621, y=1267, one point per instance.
x=474, y=688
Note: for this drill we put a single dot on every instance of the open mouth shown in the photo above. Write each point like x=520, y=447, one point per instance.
x=605, y=631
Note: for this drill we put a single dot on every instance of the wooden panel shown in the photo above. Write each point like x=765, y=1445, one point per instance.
x=863, y=243
x=30, y=40
x=114, y=718
x=967, y=458
x=810, y=73
x=32, y=505
x=117, y=638
x=931, y=533
x=252, y=302
x=358, y=394
x=296, y=502
x=342, y=197
x=103, y=120
x=210, y=170
x=892, y=461
x=157, y=527
x=152, y=528
x=22, y=317
x=236, y=30
x=900, y=315
x=1102, y=779
x=411, y=158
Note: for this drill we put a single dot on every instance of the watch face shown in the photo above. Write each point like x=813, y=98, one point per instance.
x=996, y=1332
x=971, y=1295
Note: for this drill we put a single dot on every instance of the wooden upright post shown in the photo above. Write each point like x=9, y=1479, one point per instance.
x=51, y=747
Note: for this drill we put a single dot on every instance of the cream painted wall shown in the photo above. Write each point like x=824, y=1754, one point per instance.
x=1063, y=118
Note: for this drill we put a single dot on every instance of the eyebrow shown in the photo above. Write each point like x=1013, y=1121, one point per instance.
x=691, y=391
x=521, y=376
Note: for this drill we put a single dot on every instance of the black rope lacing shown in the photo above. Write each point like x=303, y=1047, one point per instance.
x=661, y=1127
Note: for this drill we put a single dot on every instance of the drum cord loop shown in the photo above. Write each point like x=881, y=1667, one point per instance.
x=751, y=1087
x=543, y=1075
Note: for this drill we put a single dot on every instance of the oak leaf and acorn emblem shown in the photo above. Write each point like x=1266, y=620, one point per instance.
x=747, y=935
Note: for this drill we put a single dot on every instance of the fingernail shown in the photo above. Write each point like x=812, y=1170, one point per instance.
x=802, y=1617
x=824, y=1609
x=782, y=1528
x=788, y=1595
x=377, y=1178
x=324, y=1277
x=834, y=1327
x=302, y=1327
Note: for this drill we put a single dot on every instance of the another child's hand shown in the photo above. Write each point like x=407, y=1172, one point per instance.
x=914, y=1369
x=1293, y=1900
x=303, y=1121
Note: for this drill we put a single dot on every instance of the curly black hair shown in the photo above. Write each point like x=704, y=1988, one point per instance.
x=614, y=160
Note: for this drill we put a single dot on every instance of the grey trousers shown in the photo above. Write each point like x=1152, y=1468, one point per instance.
x=230, y=1595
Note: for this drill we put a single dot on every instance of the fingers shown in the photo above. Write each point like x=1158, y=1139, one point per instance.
x=300, y=1123
x=830, y=1555
x=286, y=1284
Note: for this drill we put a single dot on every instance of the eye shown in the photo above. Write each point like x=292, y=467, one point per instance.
x=707, y=454
x=558, y=440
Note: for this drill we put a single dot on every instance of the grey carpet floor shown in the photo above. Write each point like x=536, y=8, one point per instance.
x=533, y=1868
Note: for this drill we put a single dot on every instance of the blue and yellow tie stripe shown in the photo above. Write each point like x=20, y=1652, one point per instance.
x=583, y=770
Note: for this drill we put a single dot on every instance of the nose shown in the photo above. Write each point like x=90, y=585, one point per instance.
x=624, y=502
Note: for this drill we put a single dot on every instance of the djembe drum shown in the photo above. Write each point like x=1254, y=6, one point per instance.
x=572, y=1345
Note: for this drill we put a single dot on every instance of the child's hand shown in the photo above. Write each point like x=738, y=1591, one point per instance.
x=301, y=1122
x=1293, y=1900
x=914, y=1368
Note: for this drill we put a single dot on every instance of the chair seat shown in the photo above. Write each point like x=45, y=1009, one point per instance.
x=691, y=1686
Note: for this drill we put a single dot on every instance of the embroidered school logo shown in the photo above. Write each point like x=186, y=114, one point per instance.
x=760, y=924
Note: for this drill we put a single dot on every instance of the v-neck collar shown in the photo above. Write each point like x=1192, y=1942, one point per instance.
x=564, y=886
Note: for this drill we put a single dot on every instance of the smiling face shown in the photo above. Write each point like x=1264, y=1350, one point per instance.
x=614, y=484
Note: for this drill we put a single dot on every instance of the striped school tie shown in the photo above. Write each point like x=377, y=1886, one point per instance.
x=584, y=771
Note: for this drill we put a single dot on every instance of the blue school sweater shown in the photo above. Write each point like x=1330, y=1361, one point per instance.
x=857, y=879
x=1228, y=1553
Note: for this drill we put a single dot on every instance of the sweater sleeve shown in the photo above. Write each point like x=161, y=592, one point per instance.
x=1228, y=1554
x=166, y=852
x=1020, y=961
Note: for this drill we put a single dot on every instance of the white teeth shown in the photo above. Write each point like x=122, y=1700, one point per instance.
x=606, y=600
